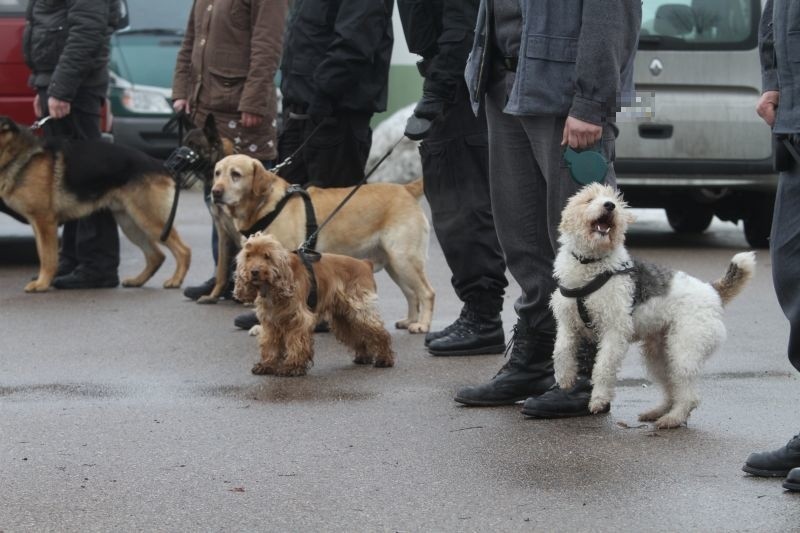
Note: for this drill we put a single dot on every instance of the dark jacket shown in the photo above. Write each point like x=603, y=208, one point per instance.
x=336, y=54
x=779, y=44
x=66, y=44
x=441, y=32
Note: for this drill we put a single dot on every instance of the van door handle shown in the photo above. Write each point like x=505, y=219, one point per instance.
x=655, y=131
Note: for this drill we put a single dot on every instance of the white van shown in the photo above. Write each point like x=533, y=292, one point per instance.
x=705, y=151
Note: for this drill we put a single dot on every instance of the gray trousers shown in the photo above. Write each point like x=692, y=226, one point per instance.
x=785, y=253
x=530, y=184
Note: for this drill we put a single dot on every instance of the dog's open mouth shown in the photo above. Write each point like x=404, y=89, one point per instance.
x=603, y=224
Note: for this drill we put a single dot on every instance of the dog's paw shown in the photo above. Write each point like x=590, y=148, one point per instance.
x=653, y=414
x=172, y=284
x=290, y=371
x=566, y=380
x=384, y=362
x=670, y=422
x=207, y=299
x=401, y=324
x=132, y=282
x=418, y=327
x=363, y=359
x=35, y=286
x=599, y=405
x=255, y=331
x=262, y=369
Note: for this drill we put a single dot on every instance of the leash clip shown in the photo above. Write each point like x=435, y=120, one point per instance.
x=41, y=122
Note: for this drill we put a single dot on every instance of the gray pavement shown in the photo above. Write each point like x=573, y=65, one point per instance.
x=135, y=409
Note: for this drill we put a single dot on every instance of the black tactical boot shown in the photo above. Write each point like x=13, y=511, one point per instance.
x=472, y=333
x=563, y=403
x=528, y=371
x=776, y=463
x=792, y=481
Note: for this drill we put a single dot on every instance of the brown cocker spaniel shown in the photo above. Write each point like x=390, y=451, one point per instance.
x=279, y=283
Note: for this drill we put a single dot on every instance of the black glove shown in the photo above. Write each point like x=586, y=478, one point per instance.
x=419, y=124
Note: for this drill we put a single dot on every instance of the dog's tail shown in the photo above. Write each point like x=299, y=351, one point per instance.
x=740, y=270
x=415, y=188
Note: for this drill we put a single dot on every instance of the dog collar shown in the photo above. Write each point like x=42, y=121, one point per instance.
x=586, y=260
x=311, y=219
x=581, y=293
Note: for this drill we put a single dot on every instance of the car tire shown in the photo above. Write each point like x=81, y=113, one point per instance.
x=758, y=221
x=689, y=217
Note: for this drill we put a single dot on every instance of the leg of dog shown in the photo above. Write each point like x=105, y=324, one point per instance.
x=153, y=256
x=269, y=342
x=183, y=258
x=298, y=341
x=610, y=352
x=361, y=328
x=655, y=359
x=46, y=234
x=223, y=264
x=565, y=354
x=409, y=274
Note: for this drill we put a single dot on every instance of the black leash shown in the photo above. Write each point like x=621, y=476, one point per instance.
x=581, y=293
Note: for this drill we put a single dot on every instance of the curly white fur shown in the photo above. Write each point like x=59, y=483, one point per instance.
x=679, y=324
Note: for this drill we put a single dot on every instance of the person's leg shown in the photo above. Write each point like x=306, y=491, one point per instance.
x=336, y=154
x=785, y=254
x=519, y=205
x=290, y=141
x=456, y=182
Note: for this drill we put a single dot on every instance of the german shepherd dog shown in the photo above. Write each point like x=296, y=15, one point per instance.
x=211, y=147
x=50, y=182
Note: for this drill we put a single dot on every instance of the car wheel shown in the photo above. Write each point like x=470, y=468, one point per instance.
x=758, y=221
x=689, y=217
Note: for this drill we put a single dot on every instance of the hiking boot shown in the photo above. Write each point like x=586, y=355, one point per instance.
x=792, y=481
x=564, y=403
x=81, y=278
x=472, y=333
x=205, y=288
x=528, y=371
x=776, y=463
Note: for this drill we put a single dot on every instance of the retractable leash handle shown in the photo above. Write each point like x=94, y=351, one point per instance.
x=587, y=166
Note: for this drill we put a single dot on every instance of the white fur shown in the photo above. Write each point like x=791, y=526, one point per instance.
x=678, y=331
x=404, y=164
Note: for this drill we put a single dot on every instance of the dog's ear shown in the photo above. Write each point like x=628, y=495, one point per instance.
x=243, y=290
x=210, y=129
x=6, y=124
x=284, y=282
x=261, y=180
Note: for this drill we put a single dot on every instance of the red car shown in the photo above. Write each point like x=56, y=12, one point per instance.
x=16, y=98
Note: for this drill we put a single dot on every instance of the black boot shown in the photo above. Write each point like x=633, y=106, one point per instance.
x=472, y=333
x=528, y=371
x=792, y=481
x=776, y=463
x=563, y=403
x=195, y=292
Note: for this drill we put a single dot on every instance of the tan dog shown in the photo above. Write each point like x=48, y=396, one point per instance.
x=382, y=222
x=279, y=283
x=50, y=183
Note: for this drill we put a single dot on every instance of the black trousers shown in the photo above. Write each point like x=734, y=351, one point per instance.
x=455, y=166
x=334, y=156
x=91, y=243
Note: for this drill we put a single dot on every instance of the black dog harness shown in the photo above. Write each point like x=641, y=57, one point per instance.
x=311, y=218
x=581, y=293
x=309, y=257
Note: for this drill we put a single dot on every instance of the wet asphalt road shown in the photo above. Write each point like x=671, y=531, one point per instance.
x=135, y=409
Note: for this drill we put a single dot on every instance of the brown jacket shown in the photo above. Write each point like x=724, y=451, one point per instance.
x=227, y=64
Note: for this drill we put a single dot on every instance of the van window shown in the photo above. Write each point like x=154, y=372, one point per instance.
x=13, y=7
x=699, y=24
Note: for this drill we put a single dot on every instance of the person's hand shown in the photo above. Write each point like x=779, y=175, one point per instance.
x=181, y=104
x=579, y=134
x=250, y=120
x=768, y=105
x=58, y=108
x=427, y=109
x=37, y=110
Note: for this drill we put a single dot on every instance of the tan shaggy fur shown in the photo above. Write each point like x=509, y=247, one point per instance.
x=382, y=222
x=279, y=283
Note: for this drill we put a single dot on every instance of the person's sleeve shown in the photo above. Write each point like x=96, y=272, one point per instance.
x=446, y=69
x=181, y=79
x=766, y=50
x=359, y=28
x=609, y=33
x=87, y=31
x=267, y=22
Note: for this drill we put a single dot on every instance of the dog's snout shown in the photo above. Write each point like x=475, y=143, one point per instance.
x=216, y=193
x=254, y=272
x=609, y=206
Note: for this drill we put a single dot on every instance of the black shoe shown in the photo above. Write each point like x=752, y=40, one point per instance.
x=83, y=279
x=528, y=372
x=246, y=320
x=562, y=403
x=471, y=334
x=205, y=288
x=65, y=267
x=792, y=481
x=776, y=463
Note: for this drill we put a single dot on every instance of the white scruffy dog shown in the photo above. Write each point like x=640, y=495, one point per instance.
x=606, y=296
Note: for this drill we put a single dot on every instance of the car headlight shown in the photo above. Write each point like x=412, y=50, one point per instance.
x=140, y=101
